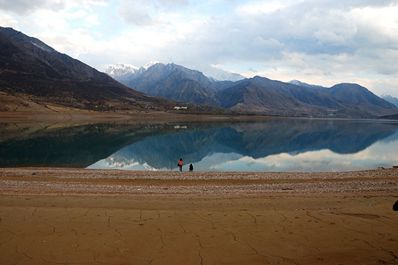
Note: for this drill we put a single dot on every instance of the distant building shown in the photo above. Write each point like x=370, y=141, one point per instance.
x=180, y=107
x=180, y=127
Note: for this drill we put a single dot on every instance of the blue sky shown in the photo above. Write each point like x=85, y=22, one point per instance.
x=316, y=41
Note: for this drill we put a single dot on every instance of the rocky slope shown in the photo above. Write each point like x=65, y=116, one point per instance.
x=30, y=69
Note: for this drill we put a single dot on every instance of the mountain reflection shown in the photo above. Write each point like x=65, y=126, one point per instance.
x=205, y=145
x=210, y=146
x=77, y=146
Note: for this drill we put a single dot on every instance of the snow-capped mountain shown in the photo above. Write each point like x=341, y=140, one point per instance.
x=303, y=84
x=391, y=99
x=174, y=82
x=221, y=75
x=119, y=70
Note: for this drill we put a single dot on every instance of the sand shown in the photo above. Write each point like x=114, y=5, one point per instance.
x=76, y=216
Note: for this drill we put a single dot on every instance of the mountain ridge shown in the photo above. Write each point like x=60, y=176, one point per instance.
x=260, y=95
x=342, y=100
x=391, y=99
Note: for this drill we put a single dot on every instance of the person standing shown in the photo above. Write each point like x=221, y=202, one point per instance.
x=191, y=167
x=180, y=164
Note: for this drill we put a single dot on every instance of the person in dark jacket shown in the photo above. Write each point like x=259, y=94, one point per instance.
x=180, y=164
x=190, y=167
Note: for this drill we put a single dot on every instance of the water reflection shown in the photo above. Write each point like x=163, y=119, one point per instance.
x=275, y=145
x=75, y=146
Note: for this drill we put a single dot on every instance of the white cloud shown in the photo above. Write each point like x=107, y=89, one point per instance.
x=6, y=19
x=379, y=154
x=144, y=12
x=261, y=7
x=26, y=7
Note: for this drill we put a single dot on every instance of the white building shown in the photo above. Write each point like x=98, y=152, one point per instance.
x=180, y=107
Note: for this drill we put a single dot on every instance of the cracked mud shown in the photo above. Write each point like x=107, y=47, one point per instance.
x=162, y=227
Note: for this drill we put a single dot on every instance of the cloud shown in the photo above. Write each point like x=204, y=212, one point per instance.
x=26, y=6
x=143, y=12
x=136, y=14
x=23, y=7
x=6, y=19
x=382, y=153
x=262, y=7
x=171, y=3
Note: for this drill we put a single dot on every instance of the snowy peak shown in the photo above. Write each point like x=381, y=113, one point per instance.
x=303, y=84
x=119, y=70
x=298, y=83
x=147, y=65
x=219, y=74
x=391, y=99
x=122, y=71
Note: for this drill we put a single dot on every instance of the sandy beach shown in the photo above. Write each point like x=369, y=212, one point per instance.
x=81, y=216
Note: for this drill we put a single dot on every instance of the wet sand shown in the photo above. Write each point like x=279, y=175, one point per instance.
x=75, y=216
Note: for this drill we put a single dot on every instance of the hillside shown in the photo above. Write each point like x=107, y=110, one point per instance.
x=358, y=100
x=262, y=95
x=32, y=72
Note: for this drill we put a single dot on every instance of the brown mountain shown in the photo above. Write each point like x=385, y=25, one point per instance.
x=265, y=96
x=33, y=73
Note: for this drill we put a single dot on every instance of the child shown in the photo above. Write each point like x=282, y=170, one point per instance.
x=180, y=164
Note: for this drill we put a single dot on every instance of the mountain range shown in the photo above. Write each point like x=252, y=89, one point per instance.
x=34, y=75
x=258, y=95
x=391, y=99
x=172, y=81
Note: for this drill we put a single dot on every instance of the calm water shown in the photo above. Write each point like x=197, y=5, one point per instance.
x=275, y=145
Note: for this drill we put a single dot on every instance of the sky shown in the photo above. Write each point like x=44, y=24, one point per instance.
x=315, y=41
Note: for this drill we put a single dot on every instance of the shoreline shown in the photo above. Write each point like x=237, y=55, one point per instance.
x=73, y=181
x=87, y=116
x=90, y=116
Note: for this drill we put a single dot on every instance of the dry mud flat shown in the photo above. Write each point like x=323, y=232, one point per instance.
x=69, y=216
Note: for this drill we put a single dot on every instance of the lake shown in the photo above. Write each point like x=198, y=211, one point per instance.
x=273, y=145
